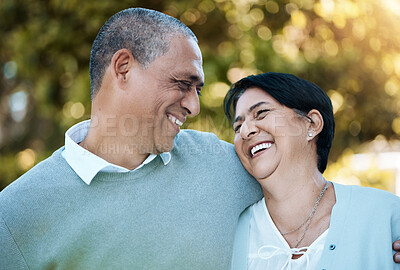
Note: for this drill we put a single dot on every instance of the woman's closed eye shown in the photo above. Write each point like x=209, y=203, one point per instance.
x=236, y=128
x=260, y=114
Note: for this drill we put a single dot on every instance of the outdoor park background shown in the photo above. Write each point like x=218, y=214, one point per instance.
x=350, y=48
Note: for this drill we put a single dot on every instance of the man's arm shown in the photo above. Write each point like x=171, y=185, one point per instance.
x=396, y=247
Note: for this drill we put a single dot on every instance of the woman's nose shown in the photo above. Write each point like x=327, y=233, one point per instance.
x=248, y=130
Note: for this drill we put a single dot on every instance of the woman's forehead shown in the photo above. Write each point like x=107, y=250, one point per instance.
x=251, y=97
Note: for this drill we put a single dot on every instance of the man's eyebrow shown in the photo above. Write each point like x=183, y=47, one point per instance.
x=195, y=78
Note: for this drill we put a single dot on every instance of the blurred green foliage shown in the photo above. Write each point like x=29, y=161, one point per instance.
x=349, y=48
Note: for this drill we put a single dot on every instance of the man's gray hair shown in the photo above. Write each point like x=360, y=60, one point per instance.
x=144, y=32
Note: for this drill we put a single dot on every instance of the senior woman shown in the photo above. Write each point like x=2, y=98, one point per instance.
x=284, y=128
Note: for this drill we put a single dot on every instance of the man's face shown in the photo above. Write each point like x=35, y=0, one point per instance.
x=165, y=94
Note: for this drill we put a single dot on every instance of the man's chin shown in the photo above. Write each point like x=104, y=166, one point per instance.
x=165, y=147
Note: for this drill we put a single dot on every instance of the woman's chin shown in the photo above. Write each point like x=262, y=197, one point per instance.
x=260, y=175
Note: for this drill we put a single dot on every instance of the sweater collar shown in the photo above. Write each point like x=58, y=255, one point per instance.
x=85, y=163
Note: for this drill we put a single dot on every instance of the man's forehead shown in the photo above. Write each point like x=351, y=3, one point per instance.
x=183, y=61
x=188, y=69
x=193, y=77
x=187, y=46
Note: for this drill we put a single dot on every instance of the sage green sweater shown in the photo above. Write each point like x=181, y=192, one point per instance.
x=179, y=216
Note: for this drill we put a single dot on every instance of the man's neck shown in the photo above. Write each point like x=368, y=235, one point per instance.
x=113, y=150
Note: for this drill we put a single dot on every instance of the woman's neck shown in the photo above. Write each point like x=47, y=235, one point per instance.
x=291, y=196
x=289, y=186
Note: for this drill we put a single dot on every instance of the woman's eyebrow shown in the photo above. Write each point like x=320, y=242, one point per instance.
x=238, y=118
x=257, y=105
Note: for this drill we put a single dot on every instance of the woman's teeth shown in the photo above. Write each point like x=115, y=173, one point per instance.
x=259, y=147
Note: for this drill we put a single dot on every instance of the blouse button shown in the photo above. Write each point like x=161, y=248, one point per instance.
x=332, y=247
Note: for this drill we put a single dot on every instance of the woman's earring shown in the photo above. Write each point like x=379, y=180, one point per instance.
x=310, y=134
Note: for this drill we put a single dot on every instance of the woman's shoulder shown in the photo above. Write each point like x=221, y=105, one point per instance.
x=366, y=196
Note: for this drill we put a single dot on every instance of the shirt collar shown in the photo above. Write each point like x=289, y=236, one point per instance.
x=85, y=163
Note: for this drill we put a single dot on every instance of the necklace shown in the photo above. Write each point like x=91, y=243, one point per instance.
x=308, y=220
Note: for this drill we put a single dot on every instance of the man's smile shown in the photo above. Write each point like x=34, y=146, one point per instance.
x=175, y=120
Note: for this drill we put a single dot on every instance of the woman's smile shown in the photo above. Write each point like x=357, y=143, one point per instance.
x=259, y=148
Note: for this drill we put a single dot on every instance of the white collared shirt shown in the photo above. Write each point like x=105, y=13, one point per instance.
x=85, y=163
x=269, y=250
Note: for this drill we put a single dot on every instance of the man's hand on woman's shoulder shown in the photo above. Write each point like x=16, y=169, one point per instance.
x=396, y=247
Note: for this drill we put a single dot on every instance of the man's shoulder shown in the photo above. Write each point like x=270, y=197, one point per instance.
x=205, y=156
x=194, y=140
x=44, y=172
x=197, y=136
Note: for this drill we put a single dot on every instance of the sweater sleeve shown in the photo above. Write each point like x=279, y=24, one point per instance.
x=10, y=254
x=241, y=244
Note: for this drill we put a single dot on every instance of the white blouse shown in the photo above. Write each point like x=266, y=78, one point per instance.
x=269, y=250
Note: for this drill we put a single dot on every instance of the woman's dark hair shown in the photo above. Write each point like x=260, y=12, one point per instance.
x=294, y=93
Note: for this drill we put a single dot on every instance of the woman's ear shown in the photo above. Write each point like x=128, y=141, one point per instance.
x=316, y=124
x=121, y=64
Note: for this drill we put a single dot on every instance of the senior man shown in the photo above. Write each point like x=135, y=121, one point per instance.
x=129, y=190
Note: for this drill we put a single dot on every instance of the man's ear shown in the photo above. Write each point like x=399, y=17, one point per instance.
x=316, y=124
x=121, y=65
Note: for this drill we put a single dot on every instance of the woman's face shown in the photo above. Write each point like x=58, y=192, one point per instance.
x=269, y=137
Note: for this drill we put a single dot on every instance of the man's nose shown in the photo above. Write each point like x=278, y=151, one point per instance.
x=190, y=103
